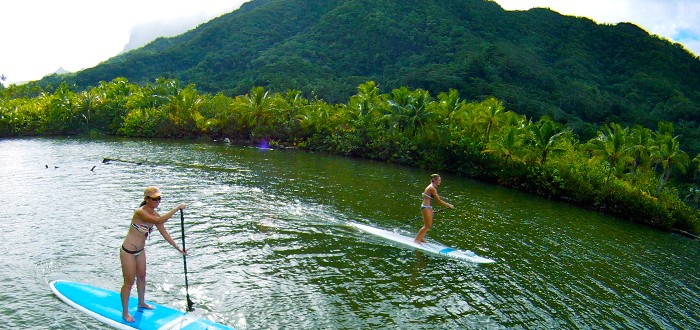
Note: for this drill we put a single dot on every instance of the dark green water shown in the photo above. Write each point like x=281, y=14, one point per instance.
x=269, y=247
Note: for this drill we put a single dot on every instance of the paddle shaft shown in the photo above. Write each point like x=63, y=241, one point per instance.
x=184, y=261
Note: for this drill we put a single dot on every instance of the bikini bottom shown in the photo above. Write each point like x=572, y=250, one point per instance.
x=135, y=253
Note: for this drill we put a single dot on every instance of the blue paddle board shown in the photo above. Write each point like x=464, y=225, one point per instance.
x=106, y=306
x=431, y=247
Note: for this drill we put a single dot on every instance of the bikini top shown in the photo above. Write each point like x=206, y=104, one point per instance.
x=429, y=196
x=143, y=229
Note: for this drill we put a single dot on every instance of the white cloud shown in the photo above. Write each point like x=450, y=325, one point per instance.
x=675, y=20
x=39, y=36
x=142, y=34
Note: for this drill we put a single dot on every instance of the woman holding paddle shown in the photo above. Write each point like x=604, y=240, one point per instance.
x=133, y=250
x=430, y=195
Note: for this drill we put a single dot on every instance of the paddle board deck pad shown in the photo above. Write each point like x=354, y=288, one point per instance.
x=431, y=247
x=106, y=306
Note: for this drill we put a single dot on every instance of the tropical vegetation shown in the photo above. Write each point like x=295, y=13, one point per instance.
x=537, y=62
x=634, y=173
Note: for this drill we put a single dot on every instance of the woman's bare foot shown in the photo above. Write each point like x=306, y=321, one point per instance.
x=146, y=306
x=128, y=318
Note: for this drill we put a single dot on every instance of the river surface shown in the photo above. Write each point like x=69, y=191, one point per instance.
x=269, y=247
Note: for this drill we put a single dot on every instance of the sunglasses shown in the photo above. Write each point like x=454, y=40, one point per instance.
x=155, y=198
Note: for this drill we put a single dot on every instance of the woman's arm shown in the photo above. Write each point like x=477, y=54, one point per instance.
x=437, y=199
x=145, y=216
x=166, y=235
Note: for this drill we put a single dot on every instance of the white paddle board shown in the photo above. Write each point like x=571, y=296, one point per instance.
x=106, y=306
x=431, y=247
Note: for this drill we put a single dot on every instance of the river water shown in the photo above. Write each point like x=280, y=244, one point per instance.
x=269, y=247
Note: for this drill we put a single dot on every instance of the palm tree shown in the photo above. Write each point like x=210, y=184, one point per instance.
x=668, y=154
x=489, y=115
x=544, y=138
x=183, y=110
x=507, y=146
x=420, y=116
x=409, y=111
x=115, y=94
x=447, y=114
x=360, y=117
x=219, y=117
x=288, y=107
x=319, y=118
x=640, y=139
x=60, y=114
x=365, y=103
x=467, y=119
x=86, y=103
x=695, y=191
x=394, y=116
x=612, y=146
x=255, y=111
x=259, y=106
x=449, y=101
x=154, y=96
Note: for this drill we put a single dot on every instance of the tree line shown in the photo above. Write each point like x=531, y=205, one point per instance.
x=538, y=62
x=634, y=173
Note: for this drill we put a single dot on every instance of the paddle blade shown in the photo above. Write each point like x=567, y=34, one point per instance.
x=190, y=305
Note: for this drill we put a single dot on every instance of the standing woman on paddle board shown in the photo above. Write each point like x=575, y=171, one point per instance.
x=430, y=195
x=133, y=251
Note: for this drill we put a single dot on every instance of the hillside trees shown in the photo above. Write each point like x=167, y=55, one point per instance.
x=536, y=62
x=628, y=172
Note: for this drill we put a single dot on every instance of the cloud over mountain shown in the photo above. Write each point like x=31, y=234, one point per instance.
x=144, y=33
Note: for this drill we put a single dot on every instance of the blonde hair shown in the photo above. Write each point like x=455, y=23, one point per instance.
x=151, y=191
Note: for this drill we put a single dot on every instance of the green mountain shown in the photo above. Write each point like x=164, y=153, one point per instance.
x=538, y=61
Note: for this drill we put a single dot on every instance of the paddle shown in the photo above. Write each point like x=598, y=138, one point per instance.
x=184, y=261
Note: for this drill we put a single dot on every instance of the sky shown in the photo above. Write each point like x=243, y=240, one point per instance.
x=37, y=37
x=674, y=20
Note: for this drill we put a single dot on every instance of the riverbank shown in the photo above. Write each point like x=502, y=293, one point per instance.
x=631, y=173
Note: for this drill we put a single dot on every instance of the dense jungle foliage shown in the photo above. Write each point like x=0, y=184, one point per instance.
x=624, y=171
x=539, y=63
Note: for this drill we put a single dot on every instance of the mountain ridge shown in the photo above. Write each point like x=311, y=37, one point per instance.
x=540, y=63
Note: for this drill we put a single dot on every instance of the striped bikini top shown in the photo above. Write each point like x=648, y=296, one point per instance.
x=143, y=229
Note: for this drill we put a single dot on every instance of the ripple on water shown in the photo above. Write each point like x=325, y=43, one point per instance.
x=268, y=248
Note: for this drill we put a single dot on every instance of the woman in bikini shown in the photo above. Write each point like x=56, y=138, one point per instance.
x=133, y=250
x=430, y=195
